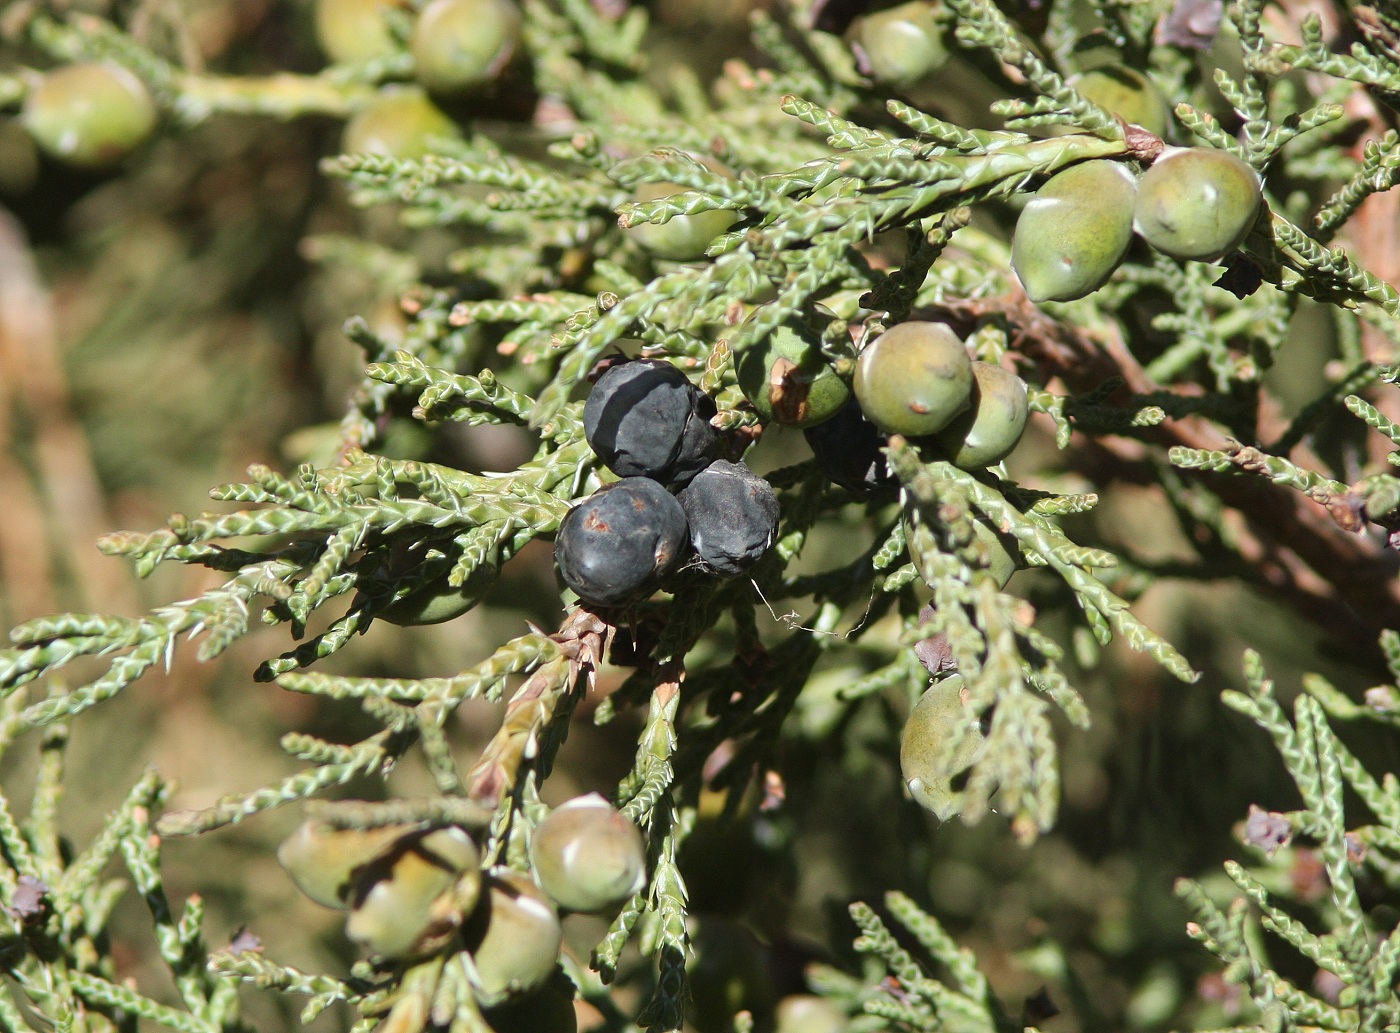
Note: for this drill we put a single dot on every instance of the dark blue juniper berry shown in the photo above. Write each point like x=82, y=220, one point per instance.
x=615, y=545
x=733, y=515
x=644, y=418
x=847, y=448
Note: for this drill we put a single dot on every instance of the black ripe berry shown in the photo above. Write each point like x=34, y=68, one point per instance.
x=645, y=419
x=847, y=448
x=733, y=516
x=616, y=544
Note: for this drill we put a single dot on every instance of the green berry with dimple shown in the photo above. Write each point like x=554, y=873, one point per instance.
x=401, y=124
x=903, y=44
x=788, y=380
x=1127, y=93
x=939, y=721
x=587, y=856
x=994, y=422
x=462, y=45
x=1196, y=203
x=90, y=115
x=354, y=31
x=1073, y=233
x=914, y=378
x=410, y=902
x=682, y=238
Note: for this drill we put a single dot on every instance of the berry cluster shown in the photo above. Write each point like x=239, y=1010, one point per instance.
x=92, y=114
x=918, y=380
x=412, y=892
x=915, y=379
x=651, y=426
x=1193, y=203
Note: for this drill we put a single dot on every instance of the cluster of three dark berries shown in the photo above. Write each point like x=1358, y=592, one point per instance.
x=651, y=426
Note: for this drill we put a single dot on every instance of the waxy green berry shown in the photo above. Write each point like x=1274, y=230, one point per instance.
x=514, y=937
x=1002, y=551
x=682, y=238
x=354, y=31
x=439, y=600
x=940, y=741
x=410, y=902
x=1073, y=233
x=1127, y=93
x=462, y=45
x=788, y=380
x=993, y=423
x=400, y=123
x=587, y=856
x=903, y=44
x=89, y=115
x=323, y=861
x=914, y=378
x=1196, y=203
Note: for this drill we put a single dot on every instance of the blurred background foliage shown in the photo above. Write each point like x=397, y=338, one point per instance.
x=165, y=324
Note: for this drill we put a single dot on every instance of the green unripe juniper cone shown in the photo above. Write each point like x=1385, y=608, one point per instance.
x=462, y=45
x=788, y=380
x=993, y=423
x=354, y=31
x=587, y=856
x=682, y=238
x=411, y=901
x=940, y=741
x=914, y=378
x=514, y=937
x=1196, y=203
x=1127, y=93
x=1002, y=550
x=1075, y=230
x=902, y=44
x=399, y=123
x=90, y=115
x=323, y=861
x=439, y=601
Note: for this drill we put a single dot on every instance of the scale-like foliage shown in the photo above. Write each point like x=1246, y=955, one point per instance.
x=844, y=206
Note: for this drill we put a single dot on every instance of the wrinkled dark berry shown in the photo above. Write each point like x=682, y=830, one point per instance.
x=614, y=545
x=847, y=448
x=645, y=419
x=733, y=516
